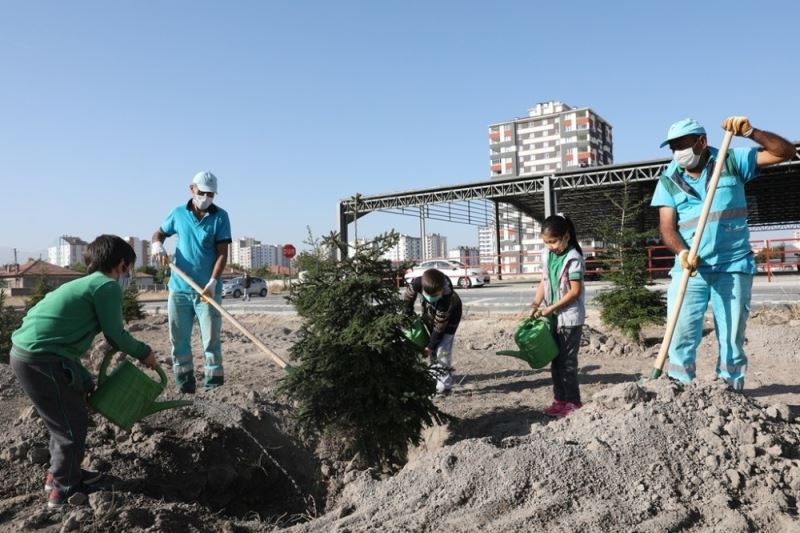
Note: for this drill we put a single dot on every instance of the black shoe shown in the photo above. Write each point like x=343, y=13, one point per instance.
x=214, y=382
x=186, y=383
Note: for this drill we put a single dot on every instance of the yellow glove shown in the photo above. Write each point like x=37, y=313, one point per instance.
x=683, y=256
x=536, y=313
x=738, y=126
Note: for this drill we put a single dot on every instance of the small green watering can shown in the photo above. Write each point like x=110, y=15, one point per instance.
x=127, y=395
x=418, y=334
x=536, y=343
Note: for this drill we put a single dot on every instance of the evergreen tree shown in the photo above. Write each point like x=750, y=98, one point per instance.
x=131, y=308
x=356, y=379
x=10, y=320
x=40, y=290
x=628, y=304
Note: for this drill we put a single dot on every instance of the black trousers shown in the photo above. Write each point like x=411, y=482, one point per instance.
x=564, y=367
x=57, y=395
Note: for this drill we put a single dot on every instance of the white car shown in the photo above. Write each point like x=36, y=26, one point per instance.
x=460, y=274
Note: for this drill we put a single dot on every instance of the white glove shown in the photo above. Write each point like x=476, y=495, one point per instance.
x=157, y=251
x=208, y=290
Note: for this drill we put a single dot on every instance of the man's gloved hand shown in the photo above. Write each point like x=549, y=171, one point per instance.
x=208, y=290
x=683, y=256
x=157, y=251
x=738, y=126
x=536, y=313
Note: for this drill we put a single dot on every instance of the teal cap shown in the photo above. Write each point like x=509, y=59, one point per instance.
x=687, y=126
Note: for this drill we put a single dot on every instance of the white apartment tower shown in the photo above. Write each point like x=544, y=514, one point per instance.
x=67, y=251
x=408, y=248
x=553, y=137
x=234, y=250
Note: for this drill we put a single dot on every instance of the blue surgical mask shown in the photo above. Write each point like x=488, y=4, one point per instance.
x=431, y=299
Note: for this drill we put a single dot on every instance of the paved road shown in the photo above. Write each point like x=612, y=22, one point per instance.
x=513, y=297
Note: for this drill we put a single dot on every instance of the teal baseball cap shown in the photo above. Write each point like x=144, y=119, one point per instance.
x=205, y=181
x=687, y=126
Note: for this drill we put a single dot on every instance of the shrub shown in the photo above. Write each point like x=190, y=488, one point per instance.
x=40, y=290
x=131, y=308
x=356, y=379
x=10, y=320
x=628, y=305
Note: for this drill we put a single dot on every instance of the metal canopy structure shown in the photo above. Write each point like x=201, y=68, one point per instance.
x=584, y=195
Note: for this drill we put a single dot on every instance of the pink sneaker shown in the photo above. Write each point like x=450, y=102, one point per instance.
x=569, y=408
x=555, y=408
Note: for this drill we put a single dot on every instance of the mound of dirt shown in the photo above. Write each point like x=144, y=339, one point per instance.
x=212, y=466
x=651, y=457
x=654, y=456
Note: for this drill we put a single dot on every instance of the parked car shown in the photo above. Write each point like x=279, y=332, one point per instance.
x=235, y=287
x=460, y=274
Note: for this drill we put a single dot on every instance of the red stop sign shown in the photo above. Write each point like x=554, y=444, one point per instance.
x=289, y=251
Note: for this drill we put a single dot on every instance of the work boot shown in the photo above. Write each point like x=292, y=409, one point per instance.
x=87, y=478
x=213, y=382
x=186, y=383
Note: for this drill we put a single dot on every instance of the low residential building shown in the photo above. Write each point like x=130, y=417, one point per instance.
x=20, y=280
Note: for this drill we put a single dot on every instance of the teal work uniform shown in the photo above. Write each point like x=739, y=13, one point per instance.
x=725, y=273
x=195, y=254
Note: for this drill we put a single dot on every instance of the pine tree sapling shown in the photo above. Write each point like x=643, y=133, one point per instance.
x=40, y=290
x=628, y=304
x=131, y=308
x=355, y=377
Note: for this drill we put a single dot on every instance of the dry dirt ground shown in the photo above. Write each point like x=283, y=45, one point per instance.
x=640, y=456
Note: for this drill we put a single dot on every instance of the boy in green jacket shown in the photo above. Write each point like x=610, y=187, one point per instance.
x=46, y=351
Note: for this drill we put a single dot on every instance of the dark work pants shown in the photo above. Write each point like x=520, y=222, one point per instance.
x=63, y=410
x=564, y=367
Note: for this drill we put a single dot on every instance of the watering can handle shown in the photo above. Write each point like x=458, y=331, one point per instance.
x=103, y=373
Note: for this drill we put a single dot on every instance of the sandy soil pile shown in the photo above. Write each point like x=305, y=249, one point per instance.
x=653, y=456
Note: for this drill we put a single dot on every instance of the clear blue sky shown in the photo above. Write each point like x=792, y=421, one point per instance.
x=109, y=108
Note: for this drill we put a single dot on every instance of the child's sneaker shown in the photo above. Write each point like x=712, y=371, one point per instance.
x=77, y=496
x=555, y=408
x=569, y=408
x=87, y=478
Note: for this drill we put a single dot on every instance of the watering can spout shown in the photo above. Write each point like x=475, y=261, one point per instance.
x=160, y=406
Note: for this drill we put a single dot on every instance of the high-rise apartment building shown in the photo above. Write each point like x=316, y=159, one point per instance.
x=436, y=246
x=142, y=249
x=67, y=251
x=408, y=248
x=469, y=255
x=553, y=137
x=236, y=246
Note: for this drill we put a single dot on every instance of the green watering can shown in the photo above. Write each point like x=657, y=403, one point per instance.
x=127, y=395
x=418, y=334
x=536, y=343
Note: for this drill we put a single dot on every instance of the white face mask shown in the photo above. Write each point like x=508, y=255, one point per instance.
x=202, y=202
x=686, y=158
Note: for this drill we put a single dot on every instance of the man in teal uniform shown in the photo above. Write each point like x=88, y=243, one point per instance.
x=204, y=233
x=723, y=270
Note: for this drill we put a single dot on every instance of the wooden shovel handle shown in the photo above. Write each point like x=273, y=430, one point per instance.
x=280, y=362
x=658, y=366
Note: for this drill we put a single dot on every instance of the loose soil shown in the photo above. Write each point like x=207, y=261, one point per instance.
x=640, y=456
